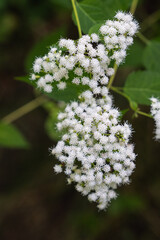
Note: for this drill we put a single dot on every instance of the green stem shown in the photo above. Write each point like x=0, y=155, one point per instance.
x=140, y=35
x=24, y=109
x=144, y=114
x=143, y=38
x=133, y=6
x=113, y=76
x=115, y=89
x=77, y=18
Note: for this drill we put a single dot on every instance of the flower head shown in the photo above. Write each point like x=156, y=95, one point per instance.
x=90, y=56
x=95, y=154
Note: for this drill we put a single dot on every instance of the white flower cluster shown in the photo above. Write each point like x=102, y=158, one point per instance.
x=95, y=152
x=118, y=35
x=155, y=112
x=88, y=61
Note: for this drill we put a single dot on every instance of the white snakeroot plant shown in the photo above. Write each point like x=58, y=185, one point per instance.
x=155, y=112
x=95, y=153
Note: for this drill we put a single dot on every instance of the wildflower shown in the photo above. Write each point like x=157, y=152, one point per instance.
x=90, y=56
x=94, y=153
x=96, y=149
x=155, y=112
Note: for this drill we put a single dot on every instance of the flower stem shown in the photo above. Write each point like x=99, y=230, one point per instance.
x=24, y=109
x=144, y=114
x=77, y=18
x=113, y=76
x=115, y=89
x=133, y=6
x=140, y=35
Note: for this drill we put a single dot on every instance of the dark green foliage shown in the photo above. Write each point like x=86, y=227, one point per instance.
x=151, y=56
x=92, y=12
x=42, y=47
x=36, y=204
x=11, y=137
x=140, y=86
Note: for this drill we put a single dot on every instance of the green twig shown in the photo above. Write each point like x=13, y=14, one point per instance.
x=143, y=38
x=144, y=114
x=115, y=89
x=133, y=6
x=77, y=18
x=113, y=76
x=140, y=35
x=24, y=109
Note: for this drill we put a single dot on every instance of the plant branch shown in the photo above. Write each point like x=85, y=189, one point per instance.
x=115, y=89
x=133, y=6
x=143, y=38
x=144, y=114
x=113, y=76
x=77, y=18
x=24, y=109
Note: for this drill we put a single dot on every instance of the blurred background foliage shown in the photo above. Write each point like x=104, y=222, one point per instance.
x=34, y=202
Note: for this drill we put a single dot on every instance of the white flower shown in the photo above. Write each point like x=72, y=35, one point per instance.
x=48, y=88
x=61, y=85
x=57, y=168
x=97, y=153
x=33, y=77
x=118, y=35
x=94, y=153
x=155, y=112
x=89, y=58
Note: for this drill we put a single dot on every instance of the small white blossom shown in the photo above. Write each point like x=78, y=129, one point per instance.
x=155, y=112
x=57, y=169
x=61, y=85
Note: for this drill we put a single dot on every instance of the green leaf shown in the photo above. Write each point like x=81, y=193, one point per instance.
x=70, y=93
x=151, y=56
x=41, y=48
x=26, y=80
x=127, y=204
x=134, y=55
x=122, y=113
x=142, y=85
x=95, y=28
x=91, y=12
x=11, y=137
